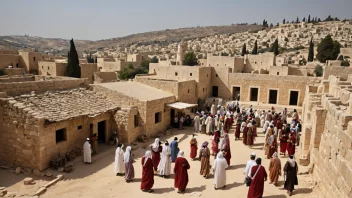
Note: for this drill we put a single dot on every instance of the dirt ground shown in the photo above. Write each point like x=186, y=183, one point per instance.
x=99, y=180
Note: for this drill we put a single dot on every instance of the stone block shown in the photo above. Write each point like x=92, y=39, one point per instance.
x=18, y=170
x=40, y=191
x=345, y=138
x=37, y=173
x=28, y=181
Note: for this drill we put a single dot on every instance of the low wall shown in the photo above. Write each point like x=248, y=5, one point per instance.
x=103, y=77
x=10, y=79
x=14, y=71
x=340, y=71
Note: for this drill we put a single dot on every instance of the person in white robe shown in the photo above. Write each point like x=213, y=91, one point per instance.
x=220, y=165
x=119, y=167
x=250, y=164
x=208, y=123
x=222, y=111
x=164, y=166
x=213, y=109
x=196, y=123
x=87, y=152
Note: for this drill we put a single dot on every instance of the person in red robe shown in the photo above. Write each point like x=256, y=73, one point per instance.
x=258, y=175
x=225, y=148
x=147, y=173
x=156, y=150
x=181, y=174
x=279, y=123
x=238, y=125
x=284, y=133
x=251, y=133
x=245, y=130
x=215, y=143
x=291, y=144
x=194, y=148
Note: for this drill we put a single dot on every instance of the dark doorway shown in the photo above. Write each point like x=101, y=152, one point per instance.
x=101, y=131
x=254, y=94
x=91, y=130
x=172, y=116
x=272, y=96
x=294, y=98
x=215, y=91
x=236, y=93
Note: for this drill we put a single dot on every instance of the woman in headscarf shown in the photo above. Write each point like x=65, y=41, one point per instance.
x=274, y=169
x=215, y=143
x=164, y=166
x=194, y=147
x=262, y=119
x=119, y=167
x=273, y=146
x=156, y=150
x=127, y=157
x=147, y=172
x=174, y=149
x=284, y=114
x=251, y=133
x=196, y=123
x=267, y=150
x=225, y=148
x=181, y=174
x=209, y=125
x=290, y=170
x=267, y=136
x=204, y=156
x=238, y=124
x=220, y=165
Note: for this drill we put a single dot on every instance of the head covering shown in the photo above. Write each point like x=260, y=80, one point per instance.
x=294, y=110
x=291, y=161
x=166, y=143
x=205, y=144
x=181, y=154
x=156, y=144
x=175, y=138
x=126, y=156
x=87, y=139
x=258, y=161
x=148, y=155
x=275, y=155
x=220, y=155
x=253, y=154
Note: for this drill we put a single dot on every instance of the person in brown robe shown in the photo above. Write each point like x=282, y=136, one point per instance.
x=204, y=156
x=272, y=146
x=245, y=130
x=259, y=176
x=238, y=125
x=274, y=169
x=291, y=170
x=181, y=174
x=194, y=148
x=251, y=133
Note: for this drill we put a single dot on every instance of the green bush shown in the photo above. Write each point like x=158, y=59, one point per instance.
x=319, y=70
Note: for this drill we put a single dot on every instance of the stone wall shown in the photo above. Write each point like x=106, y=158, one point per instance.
x=8, y=59
x=259, y=61
x=18, y=88
x=297, y=71
x=9, y=79
x=342, y=72
x=48, y=68
x=102, y=77
x=279, y=71
x=14, y=71
x=88, y=70
x=124, y=120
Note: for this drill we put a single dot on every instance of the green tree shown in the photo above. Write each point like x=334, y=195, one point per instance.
x=304, y=19
x=224, y=54
x=297, y=20
x=190, y=59
x=284, y=21
x=309, y=19
x=154, y=60
x=275, y=47
x=255, y=48
x=73, y=68
x=124, y=74
x=318, y=70
x=345, y=63
x=244, y=49
x=311, y=51
x=90, y=58
x=328, y=49
x=145, y=66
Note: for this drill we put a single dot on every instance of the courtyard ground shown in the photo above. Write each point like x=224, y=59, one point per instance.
x=99, y=180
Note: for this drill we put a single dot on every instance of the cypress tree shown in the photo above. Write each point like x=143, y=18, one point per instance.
x=255, y=49
x=73, y=69
x=304, y=19
x=309, y=19
x=311, y=51
x=284, y=21
x=297, y=20
x=275, y=47
x=244, y=50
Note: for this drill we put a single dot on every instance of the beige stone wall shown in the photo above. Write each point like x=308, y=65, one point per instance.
x=220, y=61
x=7, y=60
x=110, y=66
x=187, y=92
x=9, y=79
x=29, y=60
x=259, y=61
x=47, y=68
x=9, y=52
x=239, y=65
x=298, y=71
x=124, y=122
x=101, y=77
x=279, y=71
x=204, y=82
x=220, y=78
x=88, y=70
x=342, y=72
x=18, y=88
x=14, y=71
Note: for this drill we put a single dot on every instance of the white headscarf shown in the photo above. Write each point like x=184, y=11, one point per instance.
x=220, y=155
x=148, y=155
x=275, y=155
x=126, y=156
x=181, y=154
x=156, y=144
x=292, y=162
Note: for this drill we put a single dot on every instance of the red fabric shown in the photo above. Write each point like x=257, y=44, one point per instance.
x=256, y=188
x=227, y=150
x=283, y=141
x=147, y=175
x=291, y=145
x=279, y=124
x=283, y=146
x=245, y=135
x=238, y=132
x=193, y=151
x=181, y=174
x=156, y=157
x=254, y=134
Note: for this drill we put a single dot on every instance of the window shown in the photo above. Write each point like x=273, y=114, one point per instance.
x=16, y=64
x=207, y=75
x=278, y=73
x=216, y=75
x=34, y=59
x=157, y=117
x=190, y=74
x=135, y=121
x=203, y=89
x=42, y=67
x=225, y=64
x=175, y=73
x=60, y=135
x=79, y=127
x=217, y=64
x=188, y=90
x=48, y=67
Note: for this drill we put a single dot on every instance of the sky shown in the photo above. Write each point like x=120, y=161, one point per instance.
x=104, y=19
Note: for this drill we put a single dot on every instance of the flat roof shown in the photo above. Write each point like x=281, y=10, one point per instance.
x=137, y=90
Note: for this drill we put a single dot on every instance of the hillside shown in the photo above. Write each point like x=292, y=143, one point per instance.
x=162, y=37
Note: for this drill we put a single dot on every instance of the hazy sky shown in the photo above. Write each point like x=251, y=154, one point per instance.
x=95, y=20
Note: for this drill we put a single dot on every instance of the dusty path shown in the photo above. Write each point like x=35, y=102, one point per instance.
x=98, y=179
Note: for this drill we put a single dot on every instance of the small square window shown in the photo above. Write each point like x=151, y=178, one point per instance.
x=278, y=73
x=207, y=75
x=216, y=75
x=188, y=90
x=79, y=127
x=203, y=89
x=135, y=121
x=175, y=73
x=157, y=117
x=225, y=64
x=190, y=74
x=34, y=59
x=60, y=135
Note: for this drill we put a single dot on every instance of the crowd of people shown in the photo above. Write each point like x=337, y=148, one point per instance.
x=217, y=123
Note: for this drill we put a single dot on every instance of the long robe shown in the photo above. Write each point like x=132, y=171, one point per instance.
x=174, y=150
x=196, y=124
x=283, y=141
x=275, y=169
x=129, y=174
x=256, y=188
x=291, y=145
x=147, y=174
x=245, y=130
x=220, y=165
x=291, y=176
x=251, y=134
x=204, y=155
x=227, y=150
x=194, y=148
x=272, y=148
x=156, y=157
x=164, y=166
x=87, y=152
x=215, y=142
x=209, y=125
x=119, y=164
x=181, y=174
